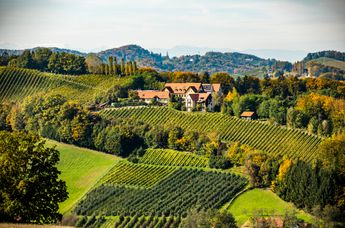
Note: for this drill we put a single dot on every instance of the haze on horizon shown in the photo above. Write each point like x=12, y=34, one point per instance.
x=94, y=25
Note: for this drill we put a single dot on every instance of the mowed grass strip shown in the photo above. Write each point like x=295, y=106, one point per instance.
x=254, y=200
x=80, y=168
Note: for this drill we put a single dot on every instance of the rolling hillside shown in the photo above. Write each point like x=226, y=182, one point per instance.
x=17, y=83
x=80, y=168
x=272, y=139
x=331, y=62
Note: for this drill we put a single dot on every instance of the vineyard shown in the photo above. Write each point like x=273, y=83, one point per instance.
x=17, y=83
x=172, y=196
x=173, y=158
x=136, y=175
x=269, y=138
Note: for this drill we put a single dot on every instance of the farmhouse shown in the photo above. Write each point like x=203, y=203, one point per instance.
x=148, y=96
x=248, y=115
x=195, y=96
x=201, y=101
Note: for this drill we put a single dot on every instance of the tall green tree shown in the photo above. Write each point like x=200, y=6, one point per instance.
x=29, y=180
x=122, y=66
x=115, y=66
x=111, y=62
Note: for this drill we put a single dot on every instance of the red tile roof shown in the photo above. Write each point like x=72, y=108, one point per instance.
x=149, y=94
x=199, y=97
x=247, y=114
x=182, y=87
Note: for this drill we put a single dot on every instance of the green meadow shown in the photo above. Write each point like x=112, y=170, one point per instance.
x=80, y=168
x=252, y=201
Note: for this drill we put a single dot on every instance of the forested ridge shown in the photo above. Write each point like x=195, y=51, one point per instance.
x=231, y=62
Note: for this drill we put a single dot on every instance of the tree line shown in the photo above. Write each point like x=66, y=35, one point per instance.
x=122, y=68
x=44, y=59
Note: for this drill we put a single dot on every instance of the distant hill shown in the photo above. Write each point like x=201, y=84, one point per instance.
x=231, y=62
x=329, y=54
x=133, y=53
x=326, y=67
x=331, y=62
x=212, y=61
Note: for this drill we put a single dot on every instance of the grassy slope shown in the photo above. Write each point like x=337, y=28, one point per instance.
x=256, y=199
x=80, y=168
x=331, y=62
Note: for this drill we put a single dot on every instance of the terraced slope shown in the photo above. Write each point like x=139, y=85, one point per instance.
x=272, y=139
x=173, y=158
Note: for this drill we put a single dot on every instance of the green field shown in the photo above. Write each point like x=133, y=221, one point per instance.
x=275, y=140
x=253, y=200
x=80, y=168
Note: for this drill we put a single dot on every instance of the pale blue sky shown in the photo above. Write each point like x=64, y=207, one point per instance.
x=93, y=25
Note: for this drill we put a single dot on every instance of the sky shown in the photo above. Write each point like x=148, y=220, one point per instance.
x=94, y=25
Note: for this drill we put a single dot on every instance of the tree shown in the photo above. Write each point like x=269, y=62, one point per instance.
x=41, y=57
x=134, y=67
x=208, y=218
x=264, y=109
x=225, y=79
x=4, y=114
x=25, y=60
x=204, y=77
x=110, y=62
x=116, y=67
x=29, y=180
x=223, y=219
x=122, y=66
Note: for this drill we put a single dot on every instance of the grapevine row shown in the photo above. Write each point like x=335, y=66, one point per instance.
x=269, y=138
x=173, y=158
x=172, y=196
x=136, y=175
